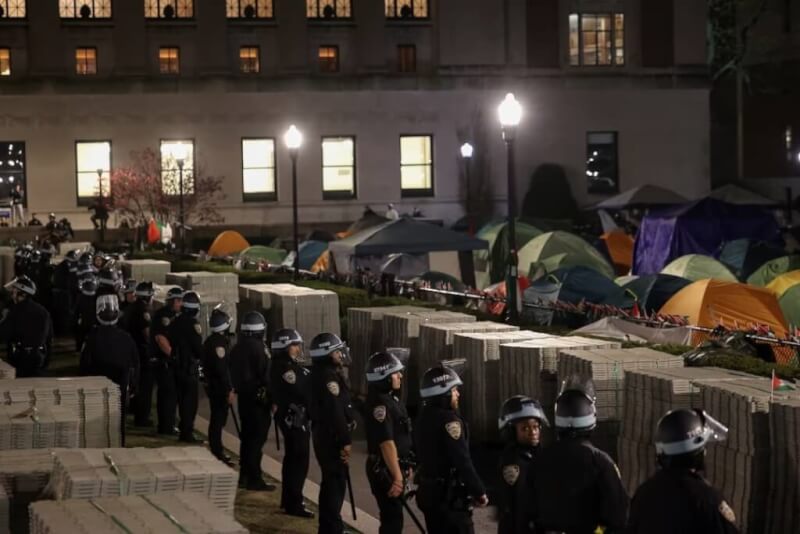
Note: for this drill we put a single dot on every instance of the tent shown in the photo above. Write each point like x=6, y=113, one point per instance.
x=323, y=263
x=772, y=269
x=228, y=243
x=622, y=280
x=789, y=302
x=490, y=264
x=405, y=266
x=498, y=291
x=555, y=250
x=262, y=253
x=651, y=291
x=310, y=251
x=618, y=247
x=783, y=282
x=698, y=267
x=741, y=196
x=320, y=235
x=641, y=197
x=370, y=219
x=697, y=228
x=711, y=302
x=617, y=328
x=744, y=256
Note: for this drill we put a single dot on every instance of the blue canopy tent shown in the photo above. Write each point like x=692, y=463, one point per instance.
x=310, y=251
x=744, y=256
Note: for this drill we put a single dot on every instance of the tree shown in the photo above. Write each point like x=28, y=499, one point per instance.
x=549, y=194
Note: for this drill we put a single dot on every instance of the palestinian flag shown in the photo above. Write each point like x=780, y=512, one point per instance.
x=780, y=385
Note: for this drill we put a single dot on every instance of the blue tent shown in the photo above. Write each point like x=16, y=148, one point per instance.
x=310, y=251
x=744, y=256
x=698, y=227
x=652, y=291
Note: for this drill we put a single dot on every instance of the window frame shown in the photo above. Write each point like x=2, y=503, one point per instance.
x=616, y=189
x=400, y=63
x=162, y=4
x=319, y=17
x=5, y=16
x=336, y=56
x=88, y=201
x=77, y=7
x=389, y=4
x=177, y=60
x=86, y=61
x=416, y=192
x=261, y=196
x=240, y=10
x=257, y=70
x=339, y=195
x=10, y=63
x=24, y=172
x=177, y=194
x=612, y=36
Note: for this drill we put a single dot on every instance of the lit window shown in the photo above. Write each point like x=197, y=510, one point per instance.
x=258, y=169
x=169, y=60
x=84, y=9
x=93, y=164
x=86, y=61
x=338, y=167
x=328, y=9
x=5, y=62
x=12, y=168
x=329, y=59
x=407, y=58
x=169, y=9
x=248, y=60
x=12, y=9
x=597, y=40
x=602, y=168
x=406, y=9
x=249, y=9
x=416, y=165
x=172, y=153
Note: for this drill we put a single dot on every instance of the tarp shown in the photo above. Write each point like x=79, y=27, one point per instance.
x=617, y=328
x=556, y=250
x=744, y=256
x=641, y=197
x=710, y=303
x=772, y=269
x=698, y=267
x=405, y=266
x=323, y=263
x=227, y=243
x=262, y=253
x=698, y=228
x=783, y=282
x=651, y=291
x=368, y=220
x=619, y=247
x=490, y=264
x=310, y=251
x=741, y=196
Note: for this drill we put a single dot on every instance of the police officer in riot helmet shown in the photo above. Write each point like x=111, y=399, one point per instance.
x=27, y=328
x=332, y=422
x=388, y=439
x=161, y=348
x=128, y=295
x=108, y=281
x=577, y=487
x=85, y=309
x=217, y=379
x=111, y=352
x=137, y=323
x=291, y=387
x=521, y=423
x=249, y=365
x=448, y=484
x=186, y=339
x=677, y=498
x=62, y=294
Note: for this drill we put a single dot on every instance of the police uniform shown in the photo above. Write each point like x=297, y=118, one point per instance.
x=185, y=336
x=218, y=378
x=166, y=395
x=679, y=500
x=137, y=322
x=29, y=332
x=516, y=506
x=62, y=295
x=84, y=318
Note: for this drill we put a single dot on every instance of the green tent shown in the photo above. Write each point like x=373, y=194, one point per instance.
x=772, y=269
x=696, y=267
x=490, y=265
x=622, y=280
x=262, y=253
x=555, y=250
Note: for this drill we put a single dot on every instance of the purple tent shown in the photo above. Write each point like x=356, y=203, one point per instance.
x=698, y=227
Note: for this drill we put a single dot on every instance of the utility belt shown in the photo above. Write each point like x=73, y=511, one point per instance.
x=35, y=356
x=450, y=491
x=297, y=417
x=376, y=466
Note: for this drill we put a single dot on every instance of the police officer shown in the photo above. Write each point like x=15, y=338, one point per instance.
x=249, y=364
x=85, y=312
x=186, y=339
x=217, y=379
x=128, y=295
x=111, y=352
x=137, y=320
x=677, y=498
x=448, y=483
x=577, y=487
x=27, y=328
x=62, y=295
x=108, y=281
x=291, y=387
x=388, y=439
x=520, y=423
x=332, y=421
x=161, y=348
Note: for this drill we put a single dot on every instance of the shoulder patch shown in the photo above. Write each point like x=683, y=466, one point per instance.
x=454, y=429
x=333, y=387
x=198, y=329
x=220, y=352
x=727, y=512
x=289, y=377
x=510, y=474
x=379, y=413
x=165, y=321
x=146, y=317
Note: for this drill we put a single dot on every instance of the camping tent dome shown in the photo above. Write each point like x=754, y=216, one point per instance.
x=555, y=250
x=227, y=243
x=262, y=253
x=698, y=267
x=744, y=256
x=772, y=269
x=651, y=291
x=783, y=282
x=490, y=263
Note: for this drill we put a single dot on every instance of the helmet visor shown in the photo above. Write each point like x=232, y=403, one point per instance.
x=580, y=383
x=713, y=430
x=401, y=353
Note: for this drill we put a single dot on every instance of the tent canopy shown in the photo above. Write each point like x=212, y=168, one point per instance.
x=741, y=196
x=619, y=247
x=695, y=267
x=699, y=227
x=227, y=243
x=651, y=291
x=744, y=256
x=368, y=220
x=405, y=266
x=783, y=282
x=772, y=269
x=262, y=253
x=640, y=197
x=555, y=250
x=711, y=302
x=492, y=261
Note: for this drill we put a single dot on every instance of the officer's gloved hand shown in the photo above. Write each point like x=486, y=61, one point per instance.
x=483, y=500
x=344, y=454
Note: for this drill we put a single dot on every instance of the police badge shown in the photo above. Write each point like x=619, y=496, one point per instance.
x=333, y=387
x=454, y=429
x=289, y=377
x=510, y=474
x=220, y=352
x=379, y=413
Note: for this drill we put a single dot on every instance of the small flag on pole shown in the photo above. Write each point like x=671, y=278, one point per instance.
x=778, y=385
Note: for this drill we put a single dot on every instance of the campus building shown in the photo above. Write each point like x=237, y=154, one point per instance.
x=383, y=91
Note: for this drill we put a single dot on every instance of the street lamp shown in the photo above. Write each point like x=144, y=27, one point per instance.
x=510, y=113
x=466, y=155
x=179, y=153
x=294, y=139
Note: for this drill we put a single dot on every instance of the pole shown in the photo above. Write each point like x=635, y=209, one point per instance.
x=511, y=265
x=180, y=208
x=470, y=224
x=235, y=420
x=100, y=204
x=350, y=491
x=295, y=231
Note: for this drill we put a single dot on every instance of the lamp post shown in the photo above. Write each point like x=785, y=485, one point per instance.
x=179, y=153
x=466, y=155
x=100, y=204
x=294, y=139
x=510, y=113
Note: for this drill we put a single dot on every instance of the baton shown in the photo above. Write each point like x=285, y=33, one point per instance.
x=350, y=491
x=235, y=420
x=411, y=513
x=277, y=437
